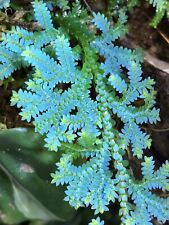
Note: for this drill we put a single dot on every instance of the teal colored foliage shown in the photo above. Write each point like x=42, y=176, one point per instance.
x=77, y=94
x=63, y=4
x=96, y=222
x=4, y=3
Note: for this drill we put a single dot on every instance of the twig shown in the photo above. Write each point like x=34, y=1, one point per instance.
x=163, y=35
x=88, y=6
x=160, y=130
x=157, y=63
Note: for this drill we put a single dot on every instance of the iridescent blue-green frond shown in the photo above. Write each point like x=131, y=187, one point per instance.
x=88, y=184
x=9, y=62
x=42, y=15
x=96, y=221
x=101, y=22
x=147, y=203
x=17, y=39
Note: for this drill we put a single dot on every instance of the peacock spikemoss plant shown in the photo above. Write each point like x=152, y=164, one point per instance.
x=83, y=95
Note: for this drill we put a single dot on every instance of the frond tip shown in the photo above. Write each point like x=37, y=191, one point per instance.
x=42, y=15
x=96, y=221
x=4, y=3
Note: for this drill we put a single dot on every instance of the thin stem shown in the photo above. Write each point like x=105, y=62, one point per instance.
x=160, y=130
x=88, y=6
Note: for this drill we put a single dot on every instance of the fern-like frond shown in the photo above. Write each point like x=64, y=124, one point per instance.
x=46, y=65
x=9, y=62
x=148, y=168
x=131, y=86
x=101, y=22
x=14, y=43
x=84, y=180
x=42, y=15
x=110, y=34
x=65, y=55
x=96, y=221
x=148, y=204
x=131, y=133
x=45, y=37
x=157, y=3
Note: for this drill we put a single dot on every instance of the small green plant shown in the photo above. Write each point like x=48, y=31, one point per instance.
x=161, y=8
x=82, y=96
